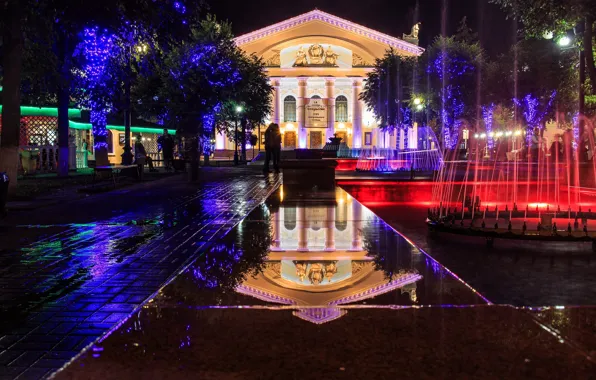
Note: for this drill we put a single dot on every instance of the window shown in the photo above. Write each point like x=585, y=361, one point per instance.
x=367, y=138
x=341, y=109
x=289, y=109
x=315, y=97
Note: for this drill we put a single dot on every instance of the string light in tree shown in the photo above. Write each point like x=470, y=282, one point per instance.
x=487, y=117
x=534, y=117
x=97, y=49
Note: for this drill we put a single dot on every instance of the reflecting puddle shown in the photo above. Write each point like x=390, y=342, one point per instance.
x=319, y=259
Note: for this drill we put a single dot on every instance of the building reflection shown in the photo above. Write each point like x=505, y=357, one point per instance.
x=317, y=261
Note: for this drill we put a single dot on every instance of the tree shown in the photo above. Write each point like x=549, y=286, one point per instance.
x=55, y=26
x=543, y=17
x=253, y=94
x=12, y=50
x=387, y=90
x=191, y=84
x=453, y=68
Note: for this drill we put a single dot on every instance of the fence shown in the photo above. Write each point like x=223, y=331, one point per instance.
x=44, y=159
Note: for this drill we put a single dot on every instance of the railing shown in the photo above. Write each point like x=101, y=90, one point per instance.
x=43, y=158
x=157, y=159
x=82, y=157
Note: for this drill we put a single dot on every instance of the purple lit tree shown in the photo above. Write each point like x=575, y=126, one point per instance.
x=452, y=66
x=488, y=119
x=96, y=80
x=534, y=112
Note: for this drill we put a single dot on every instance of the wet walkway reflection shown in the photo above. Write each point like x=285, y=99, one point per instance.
x=325, y=290
x=319, y=259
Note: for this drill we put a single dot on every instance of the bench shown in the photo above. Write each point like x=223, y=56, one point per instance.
x=113, y=171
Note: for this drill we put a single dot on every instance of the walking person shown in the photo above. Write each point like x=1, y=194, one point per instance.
x=268, y=148
x=140, y=157
x=276, y=146
x=166, y=142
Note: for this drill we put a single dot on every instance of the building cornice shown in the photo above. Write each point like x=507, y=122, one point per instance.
x=332, y=20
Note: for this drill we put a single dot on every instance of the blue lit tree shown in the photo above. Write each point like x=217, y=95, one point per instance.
x=97, y=51
x=191, y=82
x=52, y=30
x=195, y=84
x=453, y=65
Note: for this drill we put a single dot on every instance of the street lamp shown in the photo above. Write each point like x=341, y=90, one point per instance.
x=239, y=110
x=565, y=42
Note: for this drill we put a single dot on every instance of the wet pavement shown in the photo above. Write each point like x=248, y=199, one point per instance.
x=512, y=272
x=330, y=290
x=71, y=272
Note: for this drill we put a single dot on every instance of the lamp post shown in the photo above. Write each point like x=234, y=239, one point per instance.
x=238, y=112
x=565, y=42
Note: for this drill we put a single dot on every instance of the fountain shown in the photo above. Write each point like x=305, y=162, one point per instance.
x=539, y=192
x=426, y=157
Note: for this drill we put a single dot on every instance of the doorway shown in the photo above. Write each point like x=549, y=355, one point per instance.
x=290, y=140
x=316, y=140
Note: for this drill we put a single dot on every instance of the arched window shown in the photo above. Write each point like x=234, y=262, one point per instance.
x=341, y=109
x=315, y=97
x=289, y=218
x=289, y=109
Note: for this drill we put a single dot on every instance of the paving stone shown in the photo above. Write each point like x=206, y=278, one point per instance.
x=79, y=282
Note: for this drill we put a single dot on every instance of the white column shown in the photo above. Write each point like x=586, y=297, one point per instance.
x=275, y=239
x=356, y=113
x=356, y=226
x=275, y=118
x=330, y=87
x=330, y=229
x=302, y=229
x=301, y=113
x=220, y=141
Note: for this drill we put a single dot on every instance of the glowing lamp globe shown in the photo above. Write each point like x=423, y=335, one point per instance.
x=564, y=41
x=417, y=101
x=239, y=109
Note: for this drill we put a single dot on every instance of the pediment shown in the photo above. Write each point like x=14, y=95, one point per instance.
x=318, y=27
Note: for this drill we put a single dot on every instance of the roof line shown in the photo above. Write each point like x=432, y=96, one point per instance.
x=333, y=20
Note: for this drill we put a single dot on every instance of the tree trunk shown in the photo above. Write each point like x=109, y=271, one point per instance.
x=590, y=53
x=63, y=131
x=244, y=122
x=12, y=36
x=63, y=103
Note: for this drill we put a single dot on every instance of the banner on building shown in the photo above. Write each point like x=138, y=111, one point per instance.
x=316, y=114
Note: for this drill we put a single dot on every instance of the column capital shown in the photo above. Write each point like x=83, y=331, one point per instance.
x=329, y=81
x=302, y=81
x=357, y=82
x=275, y=82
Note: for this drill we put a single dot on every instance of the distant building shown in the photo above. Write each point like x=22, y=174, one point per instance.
x=317, y=63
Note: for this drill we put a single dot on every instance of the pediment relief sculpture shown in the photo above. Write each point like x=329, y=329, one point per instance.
x=358, y=61
x=316, y=55
x=274, y=60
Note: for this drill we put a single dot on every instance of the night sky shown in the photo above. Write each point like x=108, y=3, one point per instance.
x=393, y=17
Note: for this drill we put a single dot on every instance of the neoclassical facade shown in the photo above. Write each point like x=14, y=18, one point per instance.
x=318, y=63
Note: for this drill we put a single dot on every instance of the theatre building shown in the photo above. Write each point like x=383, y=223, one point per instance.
x=318, y=63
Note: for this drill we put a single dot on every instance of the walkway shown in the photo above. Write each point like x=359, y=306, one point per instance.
x=92, y=262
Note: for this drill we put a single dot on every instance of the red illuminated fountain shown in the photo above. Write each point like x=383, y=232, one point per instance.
x=540, y=192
